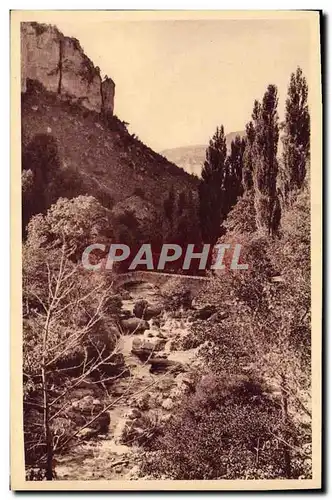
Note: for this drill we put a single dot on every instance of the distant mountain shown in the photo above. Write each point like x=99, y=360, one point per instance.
x=191, y=158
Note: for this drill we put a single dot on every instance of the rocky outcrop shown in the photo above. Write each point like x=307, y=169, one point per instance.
x=144, y=310
x=205, y=312
x=107, y=95
x=60, y=65
x=144, y=348
x=134, y=325
x=98, y=155
x=40, y=55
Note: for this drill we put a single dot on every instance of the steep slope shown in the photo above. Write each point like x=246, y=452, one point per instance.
x=65, y=100
x=98, y=152
x=191, y=158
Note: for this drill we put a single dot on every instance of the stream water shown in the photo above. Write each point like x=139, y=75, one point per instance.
x=140, y=395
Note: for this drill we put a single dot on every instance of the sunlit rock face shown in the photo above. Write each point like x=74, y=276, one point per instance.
x=79, y=78
x=60, y=65
x=40, y=55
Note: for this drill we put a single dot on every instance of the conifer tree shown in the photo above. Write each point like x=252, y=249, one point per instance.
x=265, y=161
x=233, y=178
x=211, y=188
x=248, y=165
x=296, y=139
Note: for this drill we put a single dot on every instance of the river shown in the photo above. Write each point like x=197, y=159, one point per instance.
x=139, y=398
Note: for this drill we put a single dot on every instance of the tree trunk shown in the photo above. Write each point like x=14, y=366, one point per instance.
x=47, y=430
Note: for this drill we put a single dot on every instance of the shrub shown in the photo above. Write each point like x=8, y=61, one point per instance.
x=225, y=430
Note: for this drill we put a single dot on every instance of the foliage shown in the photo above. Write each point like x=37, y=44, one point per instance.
x=296, y=139
x=211, y=188
x=225, y=430
x=233, y=179
x=242, y=218
x=41, y=158
x=265, y=333
x=169, y=205
x=80, y=222
x=248, y=163
x=69, y=317
x=265, y=159
x=142, y=431
x=67, y=337
x=180, y=221
x=182, y=202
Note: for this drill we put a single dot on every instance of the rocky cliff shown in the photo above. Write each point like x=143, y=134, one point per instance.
x=60, y=65
x=73, y=143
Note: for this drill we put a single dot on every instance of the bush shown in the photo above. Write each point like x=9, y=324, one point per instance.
x=224, y=431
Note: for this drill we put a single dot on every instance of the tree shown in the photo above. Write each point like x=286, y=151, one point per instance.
x=71, y=329
x=296, y=139
x=242, y=218
x=211, y=188
x=45, y=178
x=265, y=162
x=67, y=318
x=41, y=157
x=79, y=221
x=248, y=165
x=233, y=178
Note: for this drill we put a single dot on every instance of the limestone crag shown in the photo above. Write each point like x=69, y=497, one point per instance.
x=60, y=65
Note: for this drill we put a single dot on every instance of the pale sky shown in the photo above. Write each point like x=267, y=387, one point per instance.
x=177, y=80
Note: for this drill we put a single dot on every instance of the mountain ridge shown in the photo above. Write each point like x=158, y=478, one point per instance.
x=191, y=158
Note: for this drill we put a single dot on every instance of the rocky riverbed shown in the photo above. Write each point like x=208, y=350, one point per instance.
x=158, y=374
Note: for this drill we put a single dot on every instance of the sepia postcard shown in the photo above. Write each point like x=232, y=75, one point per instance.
x=166, y=243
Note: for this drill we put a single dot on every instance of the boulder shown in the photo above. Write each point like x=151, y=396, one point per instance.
x=161, y=365
x=161, y=355
x=161, y=335
x=125, y=314
x=86, y=409
x=218, y=316
x=87, y=433
x=125, y=294
x=205, y=312
x=140, y=307
x=133, y=413
x=134, y=325
x=143, y=348
x=143, y=309
x=142, y=402
x=152, y=312
x=167, y=404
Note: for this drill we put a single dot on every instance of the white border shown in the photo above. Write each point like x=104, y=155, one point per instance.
x=4, y=197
